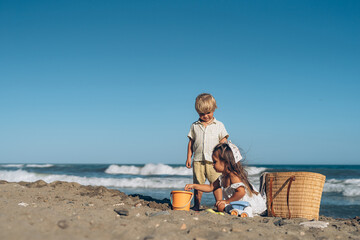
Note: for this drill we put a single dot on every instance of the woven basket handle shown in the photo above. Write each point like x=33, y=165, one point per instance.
x=289, y=180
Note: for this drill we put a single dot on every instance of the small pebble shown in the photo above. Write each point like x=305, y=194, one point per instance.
x=302, y=233
x=183, y=226
x=119, y=204
x=62, y=224
x=196, y=218
x=23, y=204
x=279, y=223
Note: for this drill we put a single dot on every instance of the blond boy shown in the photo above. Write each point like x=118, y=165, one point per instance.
x=204, y=135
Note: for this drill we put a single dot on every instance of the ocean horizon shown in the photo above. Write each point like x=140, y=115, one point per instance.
x=340, y=198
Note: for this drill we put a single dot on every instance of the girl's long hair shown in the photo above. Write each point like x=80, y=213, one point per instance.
x=226, y=155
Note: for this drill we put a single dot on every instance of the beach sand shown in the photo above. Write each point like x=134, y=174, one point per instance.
x=62, y=210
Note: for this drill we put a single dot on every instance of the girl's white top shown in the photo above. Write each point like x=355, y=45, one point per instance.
x=257, y=202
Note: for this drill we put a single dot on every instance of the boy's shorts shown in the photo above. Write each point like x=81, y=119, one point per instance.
x=204, y=170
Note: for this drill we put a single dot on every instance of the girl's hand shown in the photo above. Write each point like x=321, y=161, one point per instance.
x=189, y=187
x=220, y=202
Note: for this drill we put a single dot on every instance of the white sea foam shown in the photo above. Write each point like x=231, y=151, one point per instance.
x=162, y=169
x=39, y=165
x=255, y=170
x=155, y=182
x=149, y=169
x=12, y=165
x=348, y=187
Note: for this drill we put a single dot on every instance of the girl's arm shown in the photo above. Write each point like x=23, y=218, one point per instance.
x=203, y=187
x=200, y=187
x=238, y=194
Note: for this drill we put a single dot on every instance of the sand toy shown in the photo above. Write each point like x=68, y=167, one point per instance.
x=180, y=200
x=239, y=208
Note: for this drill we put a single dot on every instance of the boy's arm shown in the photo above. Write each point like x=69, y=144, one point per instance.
x=224, y=140
x=223, y=134
x=189, y=153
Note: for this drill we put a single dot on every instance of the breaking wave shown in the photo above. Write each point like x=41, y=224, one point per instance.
x=155, y=182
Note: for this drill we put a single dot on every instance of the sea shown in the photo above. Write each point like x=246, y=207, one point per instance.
x=340, y=198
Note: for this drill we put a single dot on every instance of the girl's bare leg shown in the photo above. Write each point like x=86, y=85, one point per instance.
x=218, y=196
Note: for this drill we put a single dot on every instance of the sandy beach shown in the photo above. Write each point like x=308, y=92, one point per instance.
x=63, y=210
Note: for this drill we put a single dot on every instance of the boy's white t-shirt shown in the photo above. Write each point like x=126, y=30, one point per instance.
x=206, y=138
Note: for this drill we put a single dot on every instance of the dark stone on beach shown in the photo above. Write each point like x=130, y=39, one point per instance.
x=122, y=211
x=159, y=213
x=62, y=224
x=266, y=220
x=149, y=237
x=279, y=222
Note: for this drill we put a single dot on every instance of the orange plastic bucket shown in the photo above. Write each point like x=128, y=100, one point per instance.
x=180, y=200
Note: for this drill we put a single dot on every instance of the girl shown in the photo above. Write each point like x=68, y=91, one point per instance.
x=233, y=181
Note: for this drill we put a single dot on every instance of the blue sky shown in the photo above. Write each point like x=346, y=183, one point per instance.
x=115, y=81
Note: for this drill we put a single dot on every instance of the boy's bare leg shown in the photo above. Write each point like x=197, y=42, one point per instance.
x=197, y=200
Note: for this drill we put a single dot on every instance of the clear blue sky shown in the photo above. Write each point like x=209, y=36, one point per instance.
x=115, y=81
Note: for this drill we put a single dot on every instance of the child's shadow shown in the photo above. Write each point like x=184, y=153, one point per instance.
x=150, y=199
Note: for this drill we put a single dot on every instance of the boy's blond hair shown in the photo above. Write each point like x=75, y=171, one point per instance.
x=205, y=103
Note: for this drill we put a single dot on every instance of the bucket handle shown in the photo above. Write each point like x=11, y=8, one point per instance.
x=192, y=195
x=289, y=180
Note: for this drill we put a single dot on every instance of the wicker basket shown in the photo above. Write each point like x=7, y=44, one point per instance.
x=294, y=194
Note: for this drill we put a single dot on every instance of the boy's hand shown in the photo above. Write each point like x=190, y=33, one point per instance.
x=188, y=163
x=189, y=187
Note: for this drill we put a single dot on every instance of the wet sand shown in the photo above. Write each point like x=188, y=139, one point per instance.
x=62, y=210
